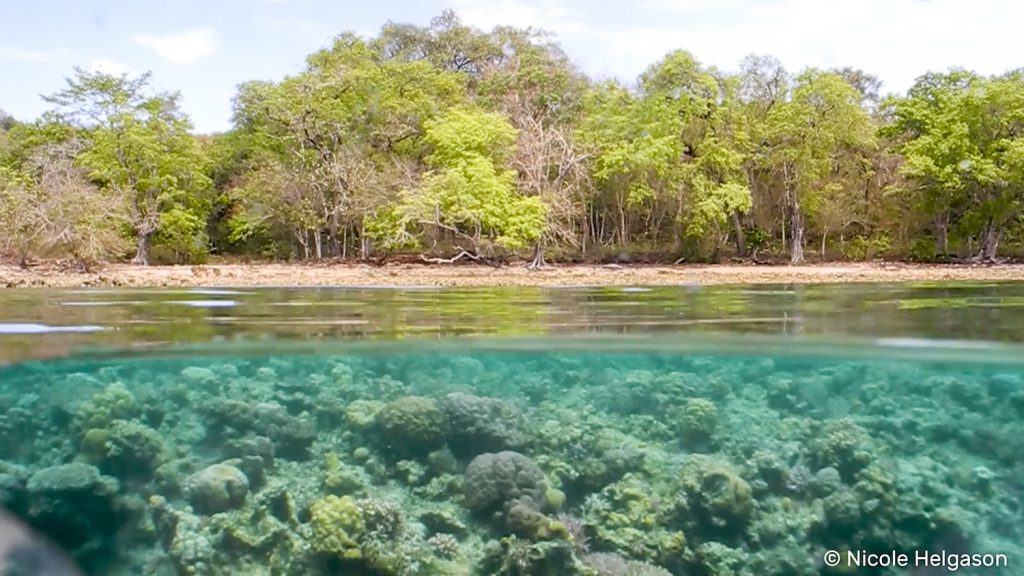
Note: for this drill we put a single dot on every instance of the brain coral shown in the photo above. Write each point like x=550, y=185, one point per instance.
x=494, y=480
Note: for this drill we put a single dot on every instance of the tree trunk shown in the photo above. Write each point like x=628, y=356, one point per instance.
x=300, y=237
x=941, y=234
x=622, y=224
x=318, y=242
x=142, y=249
x=741, y=240
x=784, y=224
x=989, y=242
x=333, y=245
x=586, y=231
x=796, y=246
x=364, y=244
x=538, y=257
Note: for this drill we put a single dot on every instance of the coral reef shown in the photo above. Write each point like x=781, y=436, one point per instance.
x=337, y=525
x=483, y=463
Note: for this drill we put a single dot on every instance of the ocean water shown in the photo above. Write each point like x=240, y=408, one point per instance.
x=710, y=433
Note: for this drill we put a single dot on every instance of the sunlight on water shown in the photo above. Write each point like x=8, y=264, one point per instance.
x=15, y=328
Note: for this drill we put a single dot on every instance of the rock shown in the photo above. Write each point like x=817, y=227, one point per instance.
x=12, y=492
x=291, y=435
x=74, y=505
x=443, y=520
x=129, y=449
x=218, y=488
x=65, y=479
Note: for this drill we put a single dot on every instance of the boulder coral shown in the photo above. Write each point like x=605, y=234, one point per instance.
x=76, y=506
x=218, y=488
x=115, y=402
x=411, y=425
x=478, y=424
x=494, y=480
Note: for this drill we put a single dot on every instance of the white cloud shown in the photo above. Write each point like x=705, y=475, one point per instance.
x=109, y=67
x=183, y=48
x=19, y=55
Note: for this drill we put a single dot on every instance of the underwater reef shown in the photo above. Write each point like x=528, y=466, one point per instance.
x=512, y=463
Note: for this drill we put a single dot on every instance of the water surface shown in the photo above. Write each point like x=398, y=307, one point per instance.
x=37, y=322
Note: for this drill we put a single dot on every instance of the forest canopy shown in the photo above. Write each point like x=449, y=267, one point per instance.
x=445, y=143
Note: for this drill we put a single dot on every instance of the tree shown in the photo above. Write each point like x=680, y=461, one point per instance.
x=48, y=207
x=446, y=44
x=470, y=193
x=329, y=145
x=138, y=146
x=6, y=121
x=21, y=233
x=712, y=186
x=634, y=145
x=538, y=89
x=962, y=137
x=764, y=84
x=806, y=134
x=673, y=152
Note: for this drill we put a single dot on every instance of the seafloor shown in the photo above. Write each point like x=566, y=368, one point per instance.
x=539, y=462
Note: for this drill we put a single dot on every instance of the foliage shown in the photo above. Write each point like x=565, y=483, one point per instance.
x=861, y=248
x=138, y=147
x=49, y=209
x=821, y=123
x=469, y=192
x=962, y=136
x=443, y=137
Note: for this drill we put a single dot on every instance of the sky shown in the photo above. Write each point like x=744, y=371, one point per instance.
x=205, y=48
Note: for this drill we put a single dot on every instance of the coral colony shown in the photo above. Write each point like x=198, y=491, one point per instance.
x=529, y=463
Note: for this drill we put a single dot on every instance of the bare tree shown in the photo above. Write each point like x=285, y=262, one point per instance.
x=552, y=167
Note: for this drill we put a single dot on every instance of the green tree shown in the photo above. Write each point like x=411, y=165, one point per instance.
x=672, y=153
x=538, y=89
x=962, y=136
x=712, y=187
x=331, y=145
x=471, y=193
x=139, y=147
x=806, y=135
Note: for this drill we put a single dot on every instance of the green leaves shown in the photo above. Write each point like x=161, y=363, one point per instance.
x=714, y=207
x=138, y=146
x=466, y=135
x=332, y=142
x=961, y=135
x=470, y=193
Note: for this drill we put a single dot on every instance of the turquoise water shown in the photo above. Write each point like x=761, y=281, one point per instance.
x=678, y=431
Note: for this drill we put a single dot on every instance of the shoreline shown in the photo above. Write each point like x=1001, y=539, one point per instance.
x=409, y=275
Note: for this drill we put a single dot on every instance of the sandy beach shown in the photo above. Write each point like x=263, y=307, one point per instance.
x=123, y=275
